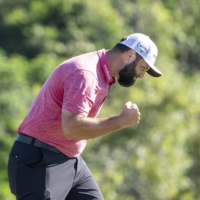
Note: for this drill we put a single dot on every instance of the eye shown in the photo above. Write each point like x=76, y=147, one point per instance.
x=144, y=68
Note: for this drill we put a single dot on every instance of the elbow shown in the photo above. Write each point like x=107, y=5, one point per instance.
x=71, y=125
x=68, y=136
x=69, y=133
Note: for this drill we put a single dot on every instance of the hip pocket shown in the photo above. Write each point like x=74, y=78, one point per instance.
x=21, y=169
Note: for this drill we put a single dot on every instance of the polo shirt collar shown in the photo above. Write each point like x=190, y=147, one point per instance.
x=105, y=67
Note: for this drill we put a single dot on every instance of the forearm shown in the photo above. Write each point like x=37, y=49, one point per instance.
x=89, y=128
x=78, y=127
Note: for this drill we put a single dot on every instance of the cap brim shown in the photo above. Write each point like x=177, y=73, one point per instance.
x=154, y=72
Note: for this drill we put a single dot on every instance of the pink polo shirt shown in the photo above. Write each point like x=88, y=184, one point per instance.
x=79, y=85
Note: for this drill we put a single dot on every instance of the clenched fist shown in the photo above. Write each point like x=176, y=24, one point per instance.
x=130, y=114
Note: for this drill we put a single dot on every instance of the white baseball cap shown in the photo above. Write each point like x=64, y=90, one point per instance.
x=144, y=46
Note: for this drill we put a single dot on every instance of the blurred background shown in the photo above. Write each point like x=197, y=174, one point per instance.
x=158, y=159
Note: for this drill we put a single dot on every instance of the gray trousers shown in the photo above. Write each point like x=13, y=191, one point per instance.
x=39, y=174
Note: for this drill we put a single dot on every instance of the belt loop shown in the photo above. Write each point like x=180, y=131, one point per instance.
x=32, y=141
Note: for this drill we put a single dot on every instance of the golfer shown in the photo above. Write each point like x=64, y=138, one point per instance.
x=45, y=161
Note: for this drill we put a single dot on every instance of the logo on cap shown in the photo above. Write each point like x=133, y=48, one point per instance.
x=142, y=48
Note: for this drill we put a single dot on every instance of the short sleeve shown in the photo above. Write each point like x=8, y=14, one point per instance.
x=80, y=90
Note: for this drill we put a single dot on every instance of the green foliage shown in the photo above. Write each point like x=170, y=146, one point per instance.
x=12, y=89
x=157, y=159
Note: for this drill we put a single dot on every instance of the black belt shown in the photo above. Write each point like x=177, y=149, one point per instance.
x=34, y=142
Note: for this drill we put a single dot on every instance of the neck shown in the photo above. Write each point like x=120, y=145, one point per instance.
x=114, y=61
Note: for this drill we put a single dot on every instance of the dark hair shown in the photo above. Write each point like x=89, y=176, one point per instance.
x=121, y=48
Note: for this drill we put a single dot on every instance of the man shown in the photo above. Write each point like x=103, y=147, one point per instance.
x=45, y=161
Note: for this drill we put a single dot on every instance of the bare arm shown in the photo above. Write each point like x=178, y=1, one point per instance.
x=78, y=127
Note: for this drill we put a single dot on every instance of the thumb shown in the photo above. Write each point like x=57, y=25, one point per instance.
x=128, y=103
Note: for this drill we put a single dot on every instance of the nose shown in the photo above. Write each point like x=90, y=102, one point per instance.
x=142, y=75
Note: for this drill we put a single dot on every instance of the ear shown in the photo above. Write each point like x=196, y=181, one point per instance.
x=131, y=56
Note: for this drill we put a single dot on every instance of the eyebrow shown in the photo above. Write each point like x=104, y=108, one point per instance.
x=147, y=67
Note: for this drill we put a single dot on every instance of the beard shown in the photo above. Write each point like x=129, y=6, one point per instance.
x=127, y=74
